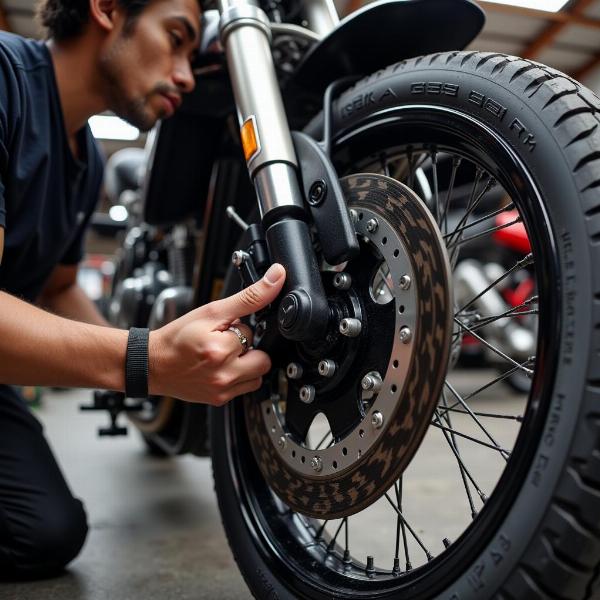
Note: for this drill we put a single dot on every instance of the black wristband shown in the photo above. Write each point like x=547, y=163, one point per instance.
x=136, y=363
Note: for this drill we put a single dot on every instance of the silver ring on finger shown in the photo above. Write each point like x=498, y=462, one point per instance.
x=243, y=339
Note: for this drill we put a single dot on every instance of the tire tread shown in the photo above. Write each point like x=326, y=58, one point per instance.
x=573, y=112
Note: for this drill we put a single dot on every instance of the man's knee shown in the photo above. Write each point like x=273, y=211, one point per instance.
x=47, y=543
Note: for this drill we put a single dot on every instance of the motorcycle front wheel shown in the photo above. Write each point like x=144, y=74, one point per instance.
x=504, y=502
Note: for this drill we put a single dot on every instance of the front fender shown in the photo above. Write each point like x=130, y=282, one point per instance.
x=386, y=32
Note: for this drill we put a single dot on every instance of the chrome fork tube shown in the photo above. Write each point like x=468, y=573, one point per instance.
x=321, y=15
x=245, y=35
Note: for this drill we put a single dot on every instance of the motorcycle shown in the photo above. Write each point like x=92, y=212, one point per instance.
x=362, y=155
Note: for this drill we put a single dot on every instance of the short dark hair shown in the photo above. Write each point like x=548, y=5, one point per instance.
x=66, y=19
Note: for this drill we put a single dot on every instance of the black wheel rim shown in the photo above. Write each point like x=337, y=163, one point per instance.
x=287, y=542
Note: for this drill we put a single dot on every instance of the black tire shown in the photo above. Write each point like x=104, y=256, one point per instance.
x=541, y=538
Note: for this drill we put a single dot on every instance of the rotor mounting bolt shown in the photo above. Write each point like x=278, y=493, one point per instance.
x=282, y=442
x=404, y=282
x=371, y=382
x=377, y=420
x=372, y=225
x=405, y=335
x=327, y=368
x=353, y=215
x=294, y=371
x=350, y=327
x=317, y=464
x=307, y=393
x=342, y=281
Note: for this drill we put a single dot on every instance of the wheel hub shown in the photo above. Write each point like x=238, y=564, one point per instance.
x=386, y=381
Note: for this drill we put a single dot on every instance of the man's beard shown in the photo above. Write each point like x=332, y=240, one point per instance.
x=136, y=111
x=133, y=110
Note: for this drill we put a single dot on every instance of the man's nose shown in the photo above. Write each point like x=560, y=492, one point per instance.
x=183, y=77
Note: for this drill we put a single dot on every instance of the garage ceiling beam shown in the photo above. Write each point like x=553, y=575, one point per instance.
x=559, y=17
x=550, y=33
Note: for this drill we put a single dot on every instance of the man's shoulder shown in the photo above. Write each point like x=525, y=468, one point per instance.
x=23, y=53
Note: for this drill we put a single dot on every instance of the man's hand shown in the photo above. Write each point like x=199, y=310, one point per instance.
x=196, y=358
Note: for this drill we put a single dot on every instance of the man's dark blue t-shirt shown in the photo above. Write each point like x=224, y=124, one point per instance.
x=46, y=194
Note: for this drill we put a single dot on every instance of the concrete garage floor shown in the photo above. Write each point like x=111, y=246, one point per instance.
x=155, y=531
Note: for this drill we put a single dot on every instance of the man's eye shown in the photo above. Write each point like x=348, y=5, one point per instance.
x=176, y=39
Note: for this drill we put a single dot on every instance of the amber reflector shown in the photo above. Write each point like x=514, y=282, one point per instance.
x=249, y=138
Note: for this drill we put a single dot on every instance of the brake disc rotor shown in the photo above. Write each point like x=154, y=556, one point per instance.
x=401, y=292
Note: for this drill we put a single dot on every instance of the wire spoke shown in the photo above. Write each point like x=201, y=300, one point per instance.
x=436, y=191
x=461, y=240
x=529, y=372
x=447, y=432
x=385, y=167
x=502, y=377
x=414, y=164
x=407, y=525
x=323, y=440
x=398, y=488
x=509, y=314
x=346, y=543
x=461, y=465
x=334, y=538
x=474, y=440
x=520, y=264
x=473, y=416
x=446, y=409
x=455, y=165
x=321, y=529
x=471, y=206
x=481, y=220
x=474, y=198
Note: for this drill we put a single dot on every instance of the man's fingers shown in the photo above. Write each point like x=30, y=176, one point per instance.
x=252, y=298
x=246, y=387
x=254, y=364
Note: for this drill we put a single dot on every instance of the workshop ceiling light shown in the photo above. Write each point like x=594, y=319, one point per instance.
x=118, y=213
x=546, y=5
x=105, y=127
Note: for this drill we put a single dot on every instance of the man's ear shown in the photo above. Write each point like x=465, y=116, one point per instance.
x=102, y=13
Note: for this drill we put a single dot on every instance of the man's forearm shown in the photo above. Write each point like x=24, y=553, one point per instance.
x=39, y=348
x=73, y=303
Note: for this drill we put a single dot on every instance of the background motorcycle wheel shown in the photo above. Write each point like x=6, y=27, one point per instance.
x=537, y=535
